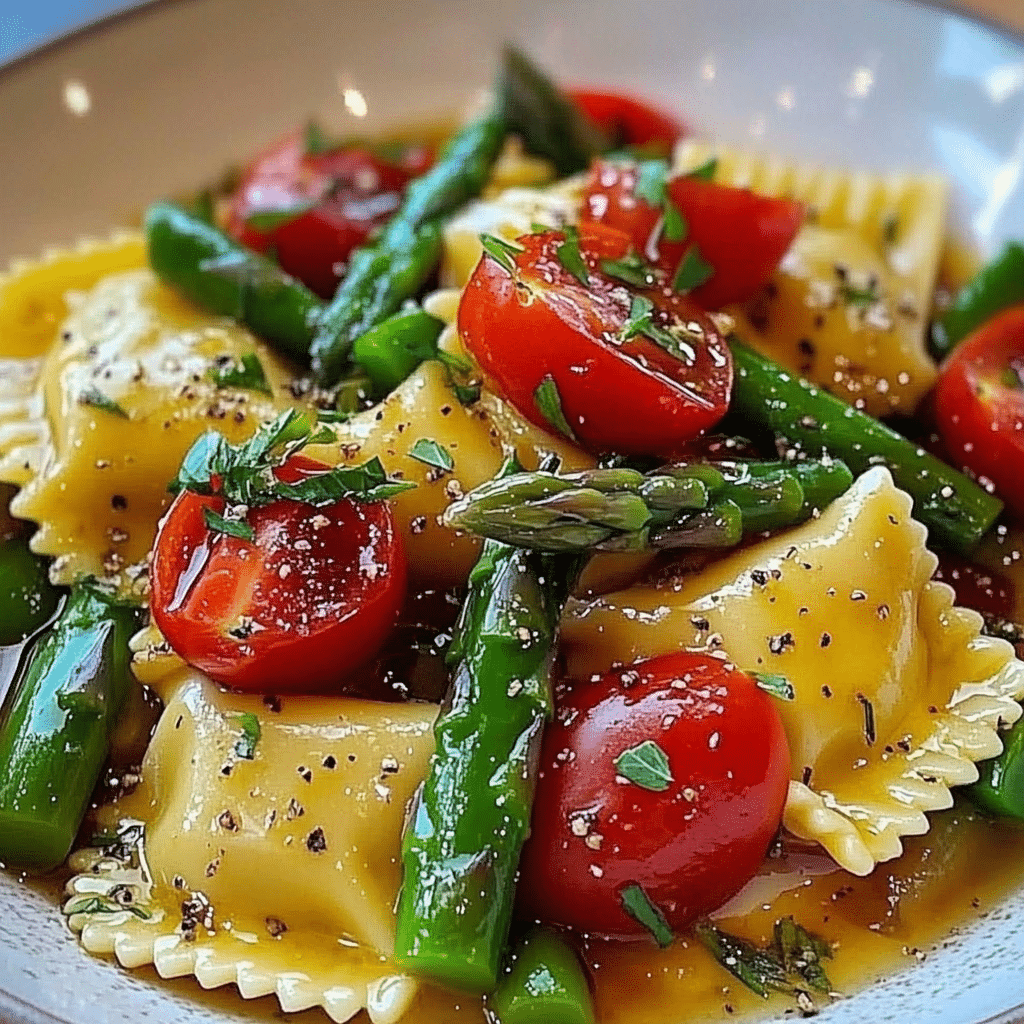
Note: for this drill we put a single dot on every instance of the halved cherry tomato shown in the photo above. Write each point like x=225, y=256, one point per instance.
x=740, y=234
x=352, y=192
x=310, y=598
x=691, y=832
x=628, y=121
x=617, y=393
x=979, y=405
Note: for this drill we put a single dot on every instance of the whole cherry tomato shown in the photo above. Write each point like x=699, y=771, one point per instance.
x=528, y=319
x=628, y=121
x=669, y=775
x=312, y=596
x=312, y=210
x=979, y=405
x=739, y=235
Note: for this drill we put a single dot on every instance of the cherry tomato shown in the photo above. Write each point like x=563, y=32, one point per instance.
x=352, y=192
x=979, y=405
x=741, y=235
x=628, y=121
x=311, y=597
x=690, y=834
x=622, y=394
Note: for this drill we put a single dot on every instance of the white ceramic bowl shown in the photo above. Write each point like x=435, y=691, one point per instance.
x=97, y=125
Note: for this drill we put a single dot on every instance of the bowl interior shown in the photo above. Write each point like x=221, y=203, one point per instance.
x=148, y=104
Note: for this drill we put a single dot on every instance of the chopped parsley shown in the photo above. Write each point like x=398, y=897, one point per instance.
x=641, y=322
x=246, y=372
x=693, y=271
x=776, y=685
x=94, y=397
x=638, y=905
x=632, y=269
x=430, y=453
x=216, y=523
x=549, y=402
x=645, y=765
x=245, y=745
x=569, y=255
x=674, y=226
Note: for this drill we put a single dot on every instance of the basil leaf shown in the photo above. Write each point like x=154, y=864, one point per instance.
x=569, y=255
x=317, y=141
x=94, y=397
x=645, y=765
x=269, y=220
x=641, y=321
x=502, y=252
x=638, y=905
x=549, y=402
x=216, y=523
x=674, y=226
x=776, y=685
x=430, y=453
x=245, y=745
x=693, y=271
x=705, y=171
x=103, y=905
x=368, y=482
x=650, y=181
x=246, y=372
x=631, y=269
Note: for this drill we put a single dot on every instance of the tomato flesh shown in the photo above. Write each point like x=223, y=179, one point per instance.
x=353, y=192
x=979, y=405
x=742, y=235
x=628, y=121
x=311, y=597
x=690, y=846
x=541, y=321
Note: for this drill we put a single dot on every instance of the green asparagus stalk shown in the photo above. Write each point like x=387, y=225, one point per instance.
x=55, y=731
x=396, y=266
x=461, y=850
x=389, y=352
x=547, y=120
x=1000, y=786
x=546, y=985
x=997, y=286
x=215, y=272
x=685, y=505
x=956, y=510
x=27, y=598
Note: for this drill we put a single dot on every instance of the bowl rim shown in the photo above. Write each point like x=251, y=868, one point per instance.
x=15, y=1009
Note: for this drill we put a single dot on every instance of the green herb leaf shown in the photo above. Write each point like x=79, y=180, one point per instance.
x=859, y=297
x=645, y=765
x=245, y=745
x=429, y=452
x=502, y=252
x=246, y=372
x=467, y=394
x=638, y=905
x=641, y=321
x=632, y=269
x=216, y=523
x=269, y=220
x=674, y=226
x=367, y=483
x=94, y=397
x=776, y=685
x=758, y=969
x=650, y=181
x=569, y=255
x=549, y=402
x=705, y=171
x=317, y=141
x=693, y=271
x=103, y=905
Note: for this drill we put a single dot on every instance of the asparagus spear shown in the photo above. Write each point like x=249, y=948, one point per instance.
x=547, y=120
x=27, y=599
x=1000, y=787
x=546, y=985
x=686, y=505
x=997, y=286
x=215, y=272
x=55, y=733
x=956, y=510
x=383, y=275
x=389, y=352
x=461, y=850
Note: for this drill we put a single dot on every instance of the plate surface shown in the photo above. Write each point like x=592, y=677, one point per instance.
x=144, y=105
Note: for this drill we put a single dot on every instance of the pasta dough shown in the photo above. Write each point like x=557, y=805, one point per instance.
x=897, y=694
x=94, y=431
x=849, y=306
x=269, y=862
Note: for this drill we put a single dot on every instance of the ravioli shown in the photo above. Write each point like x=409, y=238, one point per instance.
x=849, y=306
x=94, y=431
x=897, y=693
x=270, y=856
